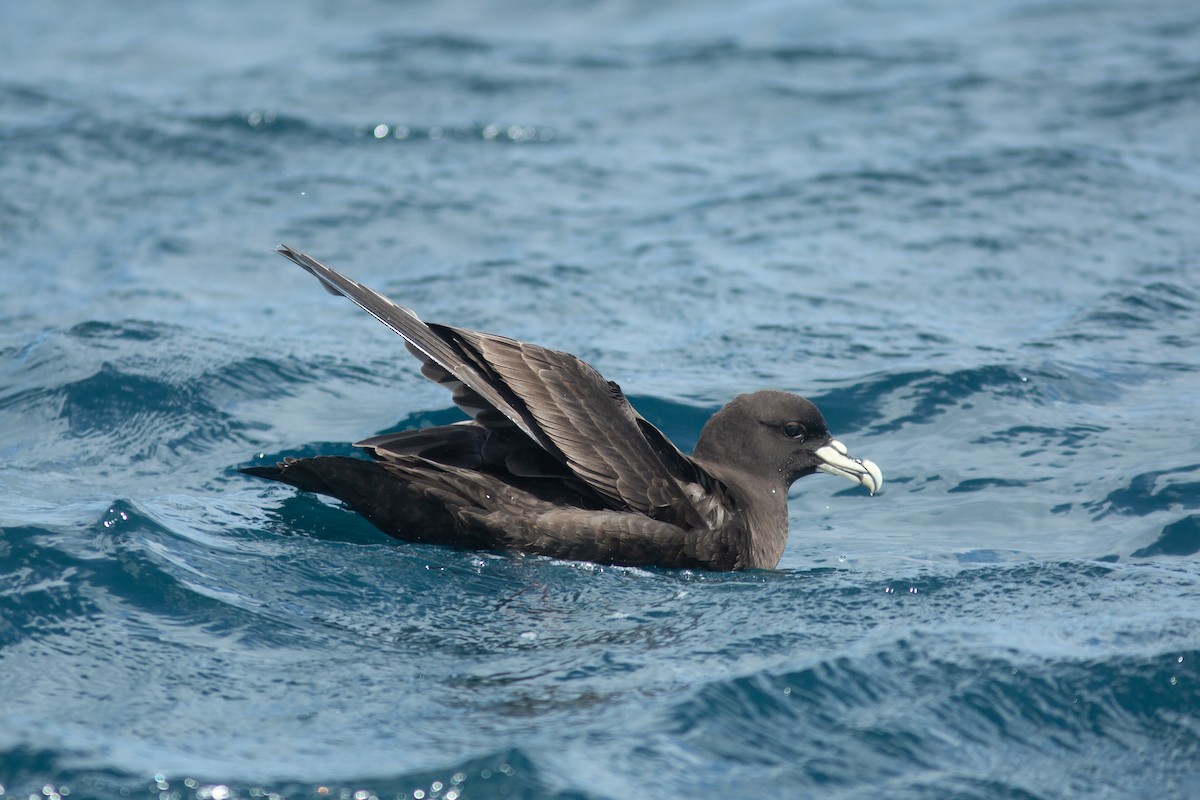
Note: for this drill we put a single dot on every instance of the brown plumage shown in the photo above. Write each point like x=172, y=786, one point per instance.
x=555, y=461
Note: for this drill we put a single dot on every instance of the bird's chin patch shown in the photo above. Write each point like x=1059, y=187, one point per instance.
x=836, y=460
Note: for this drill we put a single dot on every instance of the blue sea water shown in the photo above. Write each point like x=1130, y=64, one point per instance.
x=968, y=231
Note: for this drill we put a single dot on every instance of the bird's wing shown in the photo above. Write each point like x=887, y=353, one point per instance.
x=557, y=400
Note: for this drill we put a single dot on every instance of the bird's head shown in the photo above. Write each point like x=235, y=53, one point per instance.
x=779, y=437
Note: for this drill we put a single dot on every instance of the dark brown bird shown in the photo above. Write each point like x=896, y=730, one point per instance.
x=555, y=461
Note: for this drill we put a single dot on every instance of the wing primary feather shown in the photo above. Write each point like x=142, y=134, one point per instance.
x=424, y=338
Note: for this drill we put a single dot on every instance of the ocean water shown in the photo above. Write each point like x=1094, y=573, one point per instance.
x=968, y=231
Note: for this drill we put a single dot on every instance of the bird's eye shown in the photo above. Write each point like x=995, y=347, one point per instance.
x=794, y=430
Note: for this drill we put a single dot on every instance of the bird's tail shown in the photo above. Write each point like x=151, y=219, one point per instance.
x=380, y=492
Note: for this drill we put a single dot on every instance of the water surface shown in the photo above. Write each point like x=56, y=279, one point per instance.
x=968, y=232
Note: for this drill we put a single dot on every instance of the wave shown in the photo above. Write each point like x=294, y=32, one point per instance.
x=502, y=774
x=931, y=718
x=815, y=681
x=122, y=393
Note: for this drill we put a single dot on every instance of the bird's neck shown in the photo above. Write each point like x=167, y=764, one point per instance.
x=764, y=504
x=768, y=527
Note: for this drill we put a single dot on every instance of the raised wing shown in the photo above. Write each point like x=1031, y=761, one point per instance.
x=558, y=401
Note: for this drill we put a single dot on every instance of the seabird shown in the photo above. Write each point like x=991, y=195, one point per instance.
x=555, y=461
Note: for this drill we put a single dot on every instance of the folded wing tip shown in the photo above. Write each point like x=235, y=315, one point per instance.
x=312, y=266
x=290, y=253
